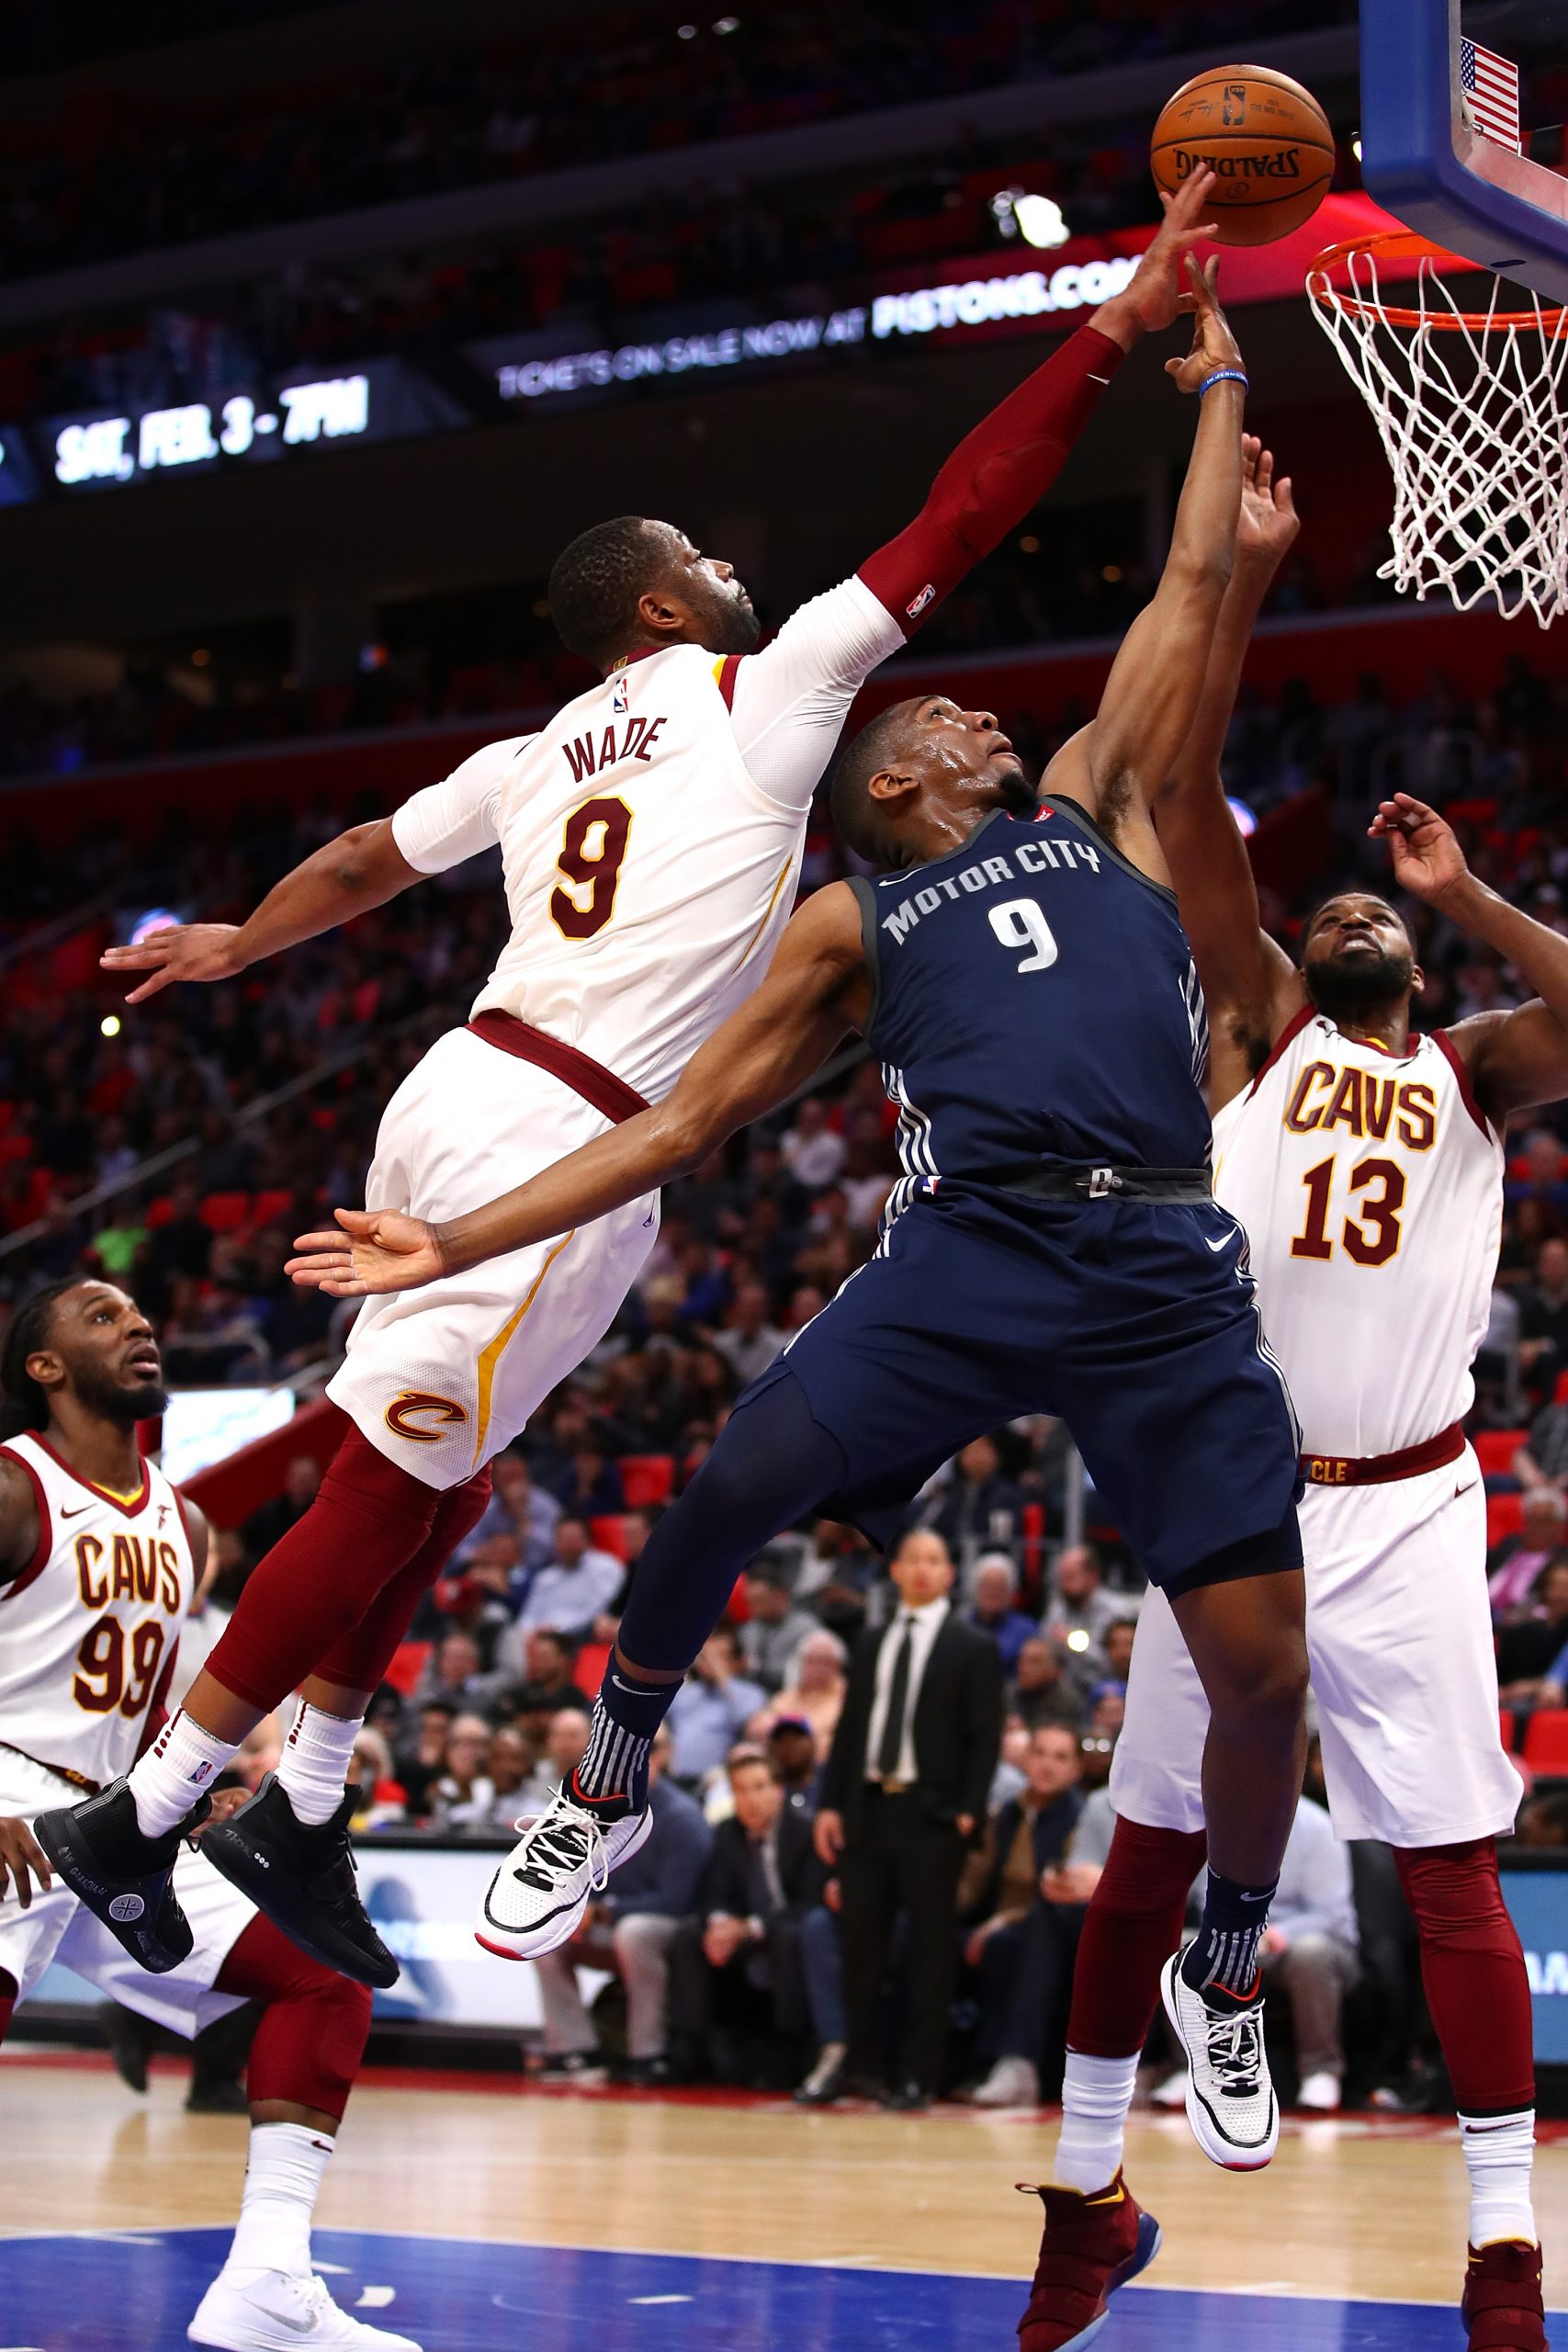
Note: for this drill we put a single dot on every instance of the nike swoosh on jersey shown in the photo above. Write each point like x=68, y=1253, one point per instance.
x=77, y=1512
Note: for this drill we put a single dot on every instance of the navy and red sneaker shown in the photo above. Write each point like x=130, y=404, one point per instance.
x=1091, y=2246
x=1502, y=2305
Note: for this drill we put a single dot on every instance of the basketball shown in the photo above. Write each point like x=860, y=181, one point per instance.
x=1267, y=140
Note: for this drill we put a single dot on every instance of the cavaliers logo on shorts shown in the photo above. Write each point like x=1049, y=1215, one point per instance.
x=405, y=1413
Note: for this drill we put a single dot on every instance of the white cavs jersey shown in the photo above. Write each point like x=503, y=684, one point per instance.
x=652, y=834
x=90, y=1625
x=1371, y=1186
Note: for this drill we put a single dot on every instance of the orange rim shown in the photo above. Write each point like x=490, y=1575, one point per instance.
x=1406, y=245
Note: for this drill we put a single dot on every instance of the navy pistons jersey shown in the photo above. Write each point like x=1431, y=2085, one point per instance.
x=1034, y=1002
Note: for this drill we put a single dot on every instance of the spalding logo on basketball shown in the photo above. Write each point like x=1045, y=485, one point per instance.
x=1266, y=139
x=126, y=1907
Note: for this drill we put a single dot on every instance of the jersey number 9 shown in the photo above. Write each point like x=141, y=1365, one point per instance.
x=590, y=868
x=1020, y=923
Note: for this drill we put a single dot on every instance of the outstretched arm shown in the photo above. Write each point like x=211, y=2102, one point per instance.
x=1007, y=463
x=814, y=990
x=1250, y=984
x=1151, y=695
x=1515, y=1059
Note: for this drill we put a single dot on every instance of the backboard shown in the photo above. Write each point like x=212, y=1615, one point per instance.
x=1423, y=156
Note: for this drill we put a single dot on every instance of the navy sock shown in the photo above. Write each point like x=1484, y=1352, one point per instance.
x=1223, y=1953
x=626, y=1714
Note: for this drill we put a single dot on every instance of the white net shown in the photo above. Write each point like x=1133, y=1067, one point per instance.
x=1470, y=409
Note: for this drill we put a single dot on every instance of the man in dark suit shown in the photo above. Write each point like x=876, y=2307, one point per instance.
x=760, y=1966
x=904, y=1787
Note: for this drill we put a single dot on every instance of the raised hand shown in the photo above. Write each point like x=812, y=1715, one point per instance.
x=195, y=951
x=1153, y=295
x=1267, y=523
x=378, y=1251
x=1213, y=345
x=1427, y=859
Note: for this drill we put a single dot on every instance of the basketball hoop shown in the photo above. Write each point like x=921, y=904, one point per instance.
x=1468, y=406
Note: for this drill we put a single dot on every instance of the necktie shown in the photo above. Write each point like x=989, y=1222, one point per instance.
x=891, y=1745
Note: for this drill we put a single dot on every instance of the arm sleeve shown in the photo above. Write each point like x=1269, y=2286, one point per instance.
x=789, y=702
x=457, y=818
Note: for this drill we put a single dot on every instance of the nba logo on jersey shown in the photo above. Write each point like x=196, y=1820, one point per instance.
x=620, y=699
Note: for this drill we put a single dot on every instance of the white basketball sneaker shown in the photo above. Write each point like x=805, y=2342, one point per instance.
x=274, y=2310
x=1230, y=2096
x=537, y=1899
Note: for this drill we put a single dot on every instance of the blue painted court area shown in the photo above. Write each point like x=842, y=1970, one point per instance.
x=136, y=2293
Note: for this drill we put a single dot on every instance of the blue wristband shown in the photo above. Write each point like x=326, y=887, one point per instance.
x=1223, y=376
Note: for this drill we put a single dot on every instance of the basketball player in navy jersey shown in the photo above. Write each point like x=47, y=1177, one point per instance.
x=1021, y=971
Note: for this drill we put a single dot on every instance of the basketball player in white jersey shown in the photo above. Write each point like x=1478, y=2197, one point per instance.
x=99, y=1557
x=1365, y=1161
x=650, y=839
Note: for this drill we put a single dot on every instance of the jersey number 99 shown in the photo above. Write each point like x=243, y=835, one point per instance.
x=590, y=868
x=105, y=1678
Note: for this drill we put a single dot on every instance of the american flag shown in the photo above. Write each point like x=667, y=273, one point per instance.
x=1491, y=85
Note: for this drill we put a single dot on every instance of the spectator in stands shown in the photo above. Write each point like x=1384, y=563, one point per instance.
x=518, y=1514
x=817, y=1695
x=760, y=1969
x=1018, y=1942
x=455, y=1675
x=383, y=1801
x=1043, y=1691
x=1543, y=1820
x=903, y=1794
x=993, y=1611
x=573, y=1589
x=462, y=1797
x=1079, y=1609
x=629, y=1930
x=271, y=1523
x=813, y=1151
x=1530, y=1646
x=546, y=1685
x=422, y=1758
x=1312, y=1949
x=592, y=1487
x=1515, y=1568
x=774, y=1628
x=564, y=1742
x=507, y=1768
x=1543, y=1319
x=1118, y=1650
x=982, y=1510
x=712, y=1708
x=748, y=1341
x=473, y=1603
x=794, y=1760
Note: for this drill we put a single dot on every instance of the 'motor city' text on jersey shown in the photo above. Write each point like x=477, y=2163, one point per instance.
x=1371, y=1187
x=1035, y=1002
x=88, y=1629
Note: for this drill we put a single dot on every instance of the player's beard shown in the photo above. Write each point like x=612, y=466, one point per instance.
x=1357, y=987
x=735, y=627
x=117, y=1402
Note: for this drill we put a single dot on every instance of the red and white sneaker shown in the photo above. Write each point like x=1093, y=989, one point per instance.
x=1092, y=2245
x=1502, y=2305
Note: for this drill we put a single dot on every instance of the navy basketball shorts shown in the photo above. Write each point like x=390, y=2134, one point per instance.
x=1134, y=1322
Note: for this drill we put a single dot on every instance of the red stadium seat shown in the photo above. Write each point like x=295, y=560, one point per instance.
x=1507, y=1728
x=267, y=1207
x=1546, y=1742
x=609, y=1531
x=226, y=1212
x=1559, y=1393
x=1504, y=1516
x=646, y=1479
x=159, y=1211
x=409, y=1661
x=590, y=1667
x=1495, y=1449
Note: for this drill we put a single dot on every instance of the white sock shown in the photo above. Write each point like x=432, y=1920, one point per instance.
x=1095, y=2096
x=1499, y=2150
x=316, y=1758
x=283, y=2180
x=182, y=1761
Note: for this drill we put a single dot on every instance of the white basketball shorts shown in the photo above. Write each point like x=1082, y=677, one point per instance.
x=1399, y=1633
x=442, y=1378
x=56, y=1926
